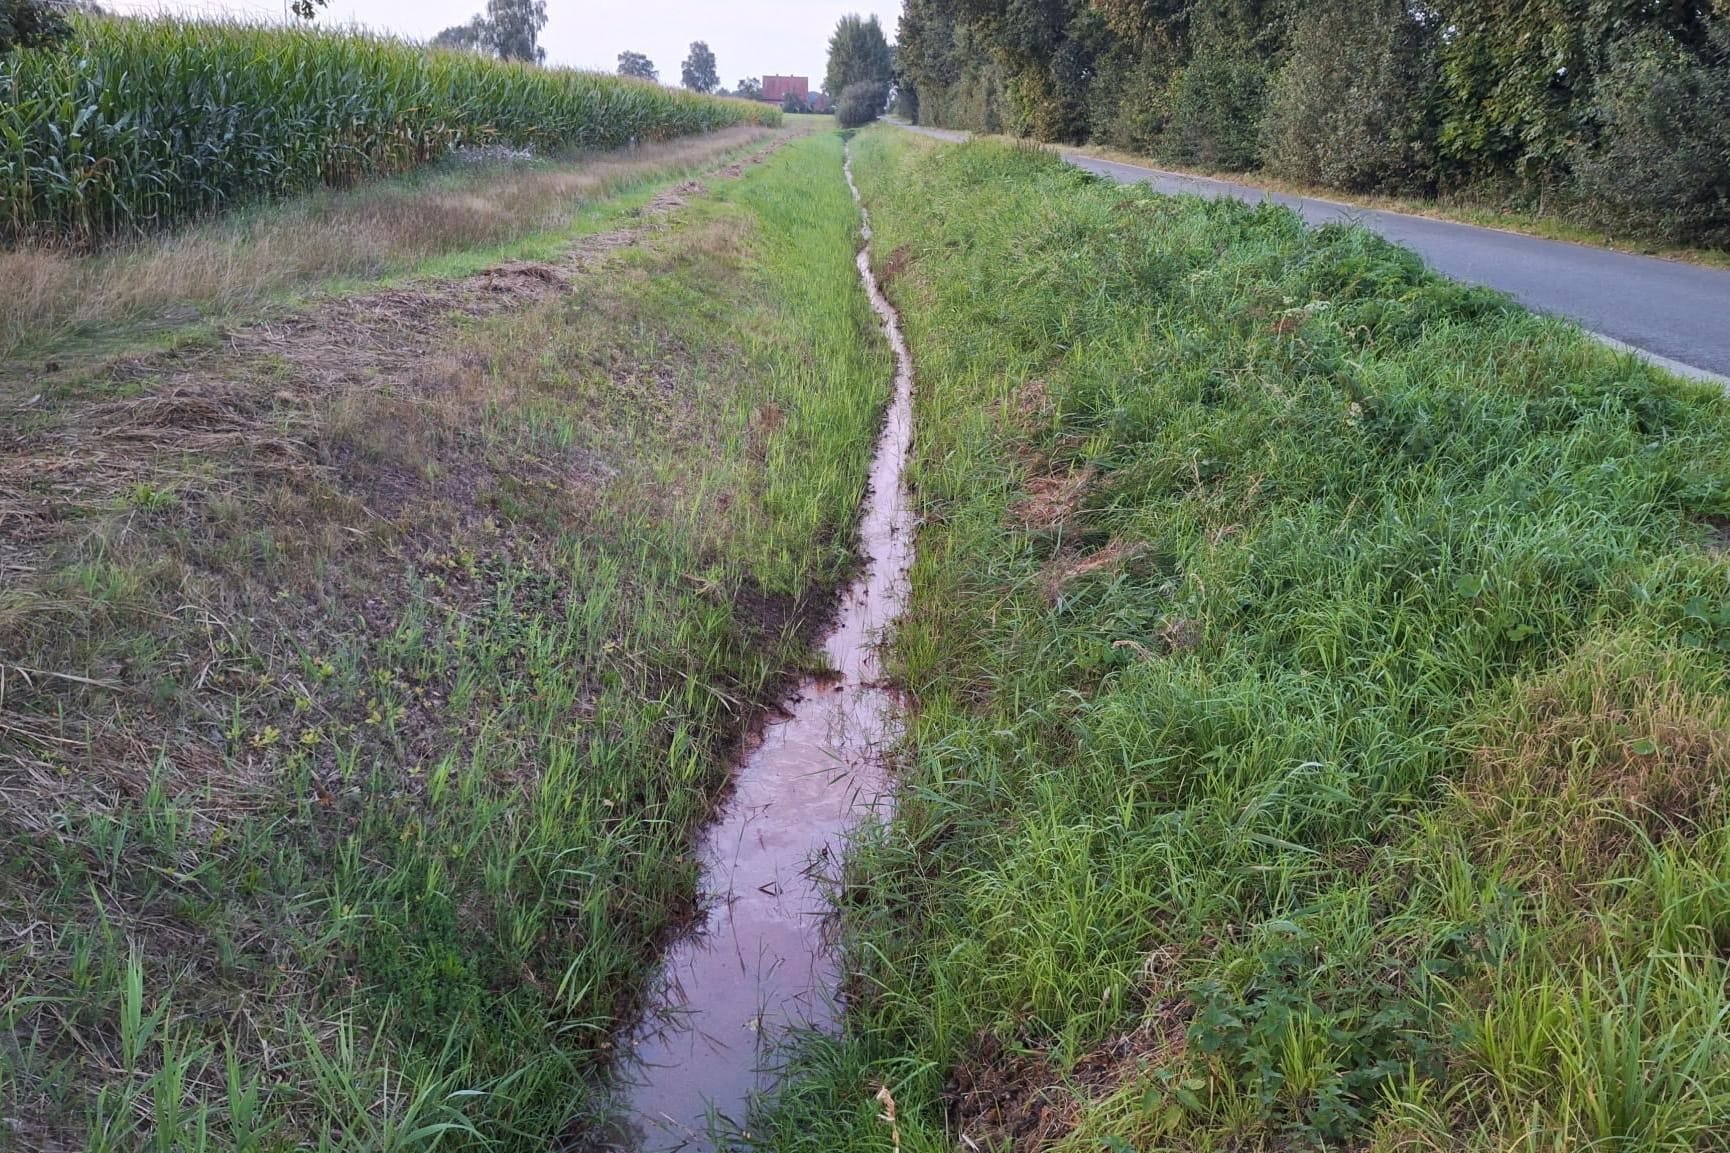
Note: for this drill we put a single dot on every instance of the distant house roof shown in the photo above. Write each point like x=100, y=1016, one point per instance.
x=776, y=88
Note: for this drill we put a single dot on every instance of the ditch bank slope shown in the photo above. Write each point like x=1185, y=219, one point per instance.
x=1318, y=674
x=366, y=674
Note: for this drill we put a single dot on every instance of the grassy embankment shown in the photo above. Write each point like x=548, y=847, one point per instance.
x=1323, y=709
x=366, y=672
x=1461, y=209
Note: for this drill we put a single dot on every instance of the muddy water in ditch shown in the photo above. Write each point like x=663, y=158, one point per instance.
x=760, y=964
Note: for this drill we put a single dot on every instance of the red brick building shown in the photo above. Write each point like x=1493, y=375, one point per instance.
x=776, y=88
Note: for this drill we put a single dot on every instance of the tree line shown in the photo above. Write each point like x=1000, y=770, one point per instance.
x=699, y=72
x=860, y=72
x=508, y=29
x=1620, y=108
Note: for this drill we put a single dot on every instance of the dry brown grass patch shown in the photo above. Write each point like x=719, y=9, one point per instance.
x=895, y=265
x=1068, y=567
x=1020, y=1101
x=1028, y=408
x=1718, y=534
x=1623, y=742
x=226, y=265
x=1053, y=500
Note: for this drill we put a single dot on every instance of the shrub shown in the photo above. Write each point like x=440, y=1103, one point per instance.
x=860, y=104
x=31, y=24
x=1662, y=162
x=1216, y=105
x=1349, y=107
x=1133, y=97
x=1217, y=99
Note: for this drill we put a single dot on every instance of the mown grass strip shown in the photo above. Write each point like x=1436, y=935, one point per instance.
x=1319, y=670
x=448, y=218
x=140, y=123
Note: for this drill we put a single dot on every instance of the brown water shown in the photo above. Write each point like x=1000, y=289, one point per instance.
x=760, y=963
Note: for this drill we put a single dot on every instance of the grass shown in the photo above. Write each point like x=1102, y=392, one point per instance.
x=1317, y=669
x=368, y=671
x=1461, y=208
x=136, y=124
x=463, y=213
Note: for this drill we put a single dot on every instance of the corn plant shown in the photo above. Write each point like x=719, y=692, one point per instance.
x=138, y=123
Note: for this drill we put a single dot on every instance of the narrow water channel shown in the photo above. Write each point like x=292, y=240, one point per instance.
x=760, y=962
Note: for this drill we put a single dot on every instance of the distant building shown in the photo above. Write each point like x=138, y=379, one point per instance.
x=776, y=88
x=818, y=102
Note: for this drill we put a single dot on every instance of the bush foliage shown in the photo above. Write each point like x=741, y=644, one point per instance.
x=30, y=24
x=1617, y=110
x=1663, y=163
x=1350, y=105
x=860, y=104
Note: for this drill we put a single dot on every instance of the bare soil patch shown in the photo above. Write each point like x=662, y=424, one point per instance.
x=1019, y=1101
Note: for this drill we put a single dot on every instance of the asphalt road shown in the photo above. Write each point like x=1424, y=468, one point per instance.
x=1674, y=314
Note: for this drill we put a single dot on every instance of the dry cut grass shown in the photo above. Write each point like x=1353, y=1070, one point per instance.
x=230, y=265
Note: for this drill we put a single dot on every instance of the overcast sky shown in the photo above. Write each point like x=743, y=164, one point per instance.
x=748, y=37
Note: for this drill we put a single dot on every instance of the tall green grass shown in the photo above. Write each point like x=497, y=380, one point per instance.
x=138, y=123
x=1343, y=763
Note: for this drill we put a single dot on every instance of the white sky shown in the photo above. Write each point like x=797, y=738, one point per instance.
x=748, y=37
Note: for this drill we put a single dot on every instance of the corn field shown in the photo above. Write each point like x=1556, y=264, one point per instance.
x=138, y=123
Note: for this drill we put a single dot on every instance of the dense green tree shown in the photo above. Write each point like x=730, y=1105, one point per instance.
x=750, y=88
x=698, y=73
x=516, y=28
x=31, y=24
x=510, y=29
x=475, y=36
x=1662, y=160
x=1519, y=76
x=858, y=54
x=1352, y=106
x=638, y=65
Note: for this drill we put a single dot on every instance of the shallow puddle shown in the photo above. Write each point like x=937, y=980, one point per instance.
x=759, y=963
